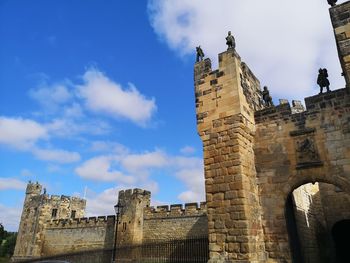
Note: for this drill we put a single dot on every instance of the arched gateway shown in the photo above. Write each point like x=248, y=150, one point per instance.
x=256, y=156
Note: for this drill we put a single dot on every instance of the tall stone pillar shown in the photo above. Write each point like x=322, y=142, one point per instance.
x=225, y=102
x=340, y=15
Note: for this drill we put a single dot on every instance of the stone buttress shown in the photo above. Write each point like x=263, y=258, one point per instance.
x=225, y=103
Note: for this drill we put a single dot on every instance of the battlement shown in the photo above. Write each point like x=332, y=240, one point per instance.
x=230, y=90
x=56, y=199
x=130, y=193
x=175, y=210
x=33, y=188
x=126, y=197
x=81, y=222
x=336, y=100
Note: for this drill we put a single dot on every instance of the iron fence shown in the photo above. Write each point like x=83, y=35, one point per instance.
x=191, y=250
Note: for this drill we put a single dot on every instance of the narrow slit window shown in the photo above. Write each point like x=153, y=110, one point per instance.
x=54, y=213
x=73, y=214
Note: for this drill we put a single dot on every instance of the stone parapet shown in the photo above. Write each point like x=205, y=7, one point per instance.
x=80, y=222
x=339, y=100
x=175, y=210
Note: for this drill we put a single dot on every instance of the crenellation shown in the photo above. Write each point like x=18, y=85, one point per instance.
x=176, y=210
x=80, y=222
x=337, y=100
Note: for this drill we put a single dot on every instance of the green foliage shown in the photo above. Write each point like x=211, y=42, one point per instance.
x=7, y=243
x=2, y=232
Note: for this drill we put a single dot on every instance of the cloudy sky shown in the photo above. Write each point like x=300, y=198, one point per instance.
x=97, y=96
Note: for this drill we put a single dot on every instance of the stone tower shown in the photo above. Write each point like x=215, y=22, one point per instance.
x=225, y=103
x=130, y=227
x=26, y=239
x=38, y=209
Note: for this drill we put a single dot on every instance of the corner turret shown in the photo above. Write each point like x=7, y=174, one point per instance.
x=131, y=219
x=33, y=188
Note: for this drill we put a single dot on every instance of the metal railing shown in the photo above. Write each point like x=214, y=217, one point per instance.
x=191, y=250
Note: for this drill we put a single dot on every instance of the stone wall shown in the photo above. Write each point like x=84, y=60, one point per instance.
x=163, y=224
x=336, y=204
x=62, y=236
x=312, y=146
x=340, y=15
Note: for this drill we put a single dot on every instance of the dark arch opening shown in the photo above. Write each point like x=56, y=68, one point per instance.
x=341, y=236
x=294, y=243
x=308, y=234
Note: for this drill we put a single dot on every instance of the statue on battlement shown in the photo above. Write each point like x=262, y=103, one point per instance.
x=200, y=54
x=322, y=80
x=332, y=2
x=267, y=97
x=230, y=41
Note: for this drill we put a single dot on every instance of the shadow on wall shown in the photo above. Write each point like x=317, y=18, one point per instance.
x=341, y=234
x=311, y=211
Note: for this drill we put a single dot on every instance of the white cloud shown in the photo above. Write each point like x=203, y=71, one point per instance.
x=284, y=51
x=10, y=217
x=103, y=95
x=73, y=111
x=193, y=178
x=137, y=162
x=56, y=155
x=140, y=167
x=64, y=127
x=24, y=134
x=20, y=133
x=51, y=96
x=108, y=146
x=11, y=184
x=101, y=168
x=102, y=203
x=187, y=150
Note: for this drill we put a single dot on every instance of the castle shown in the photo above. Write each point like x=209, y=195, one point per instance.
x=277, y=178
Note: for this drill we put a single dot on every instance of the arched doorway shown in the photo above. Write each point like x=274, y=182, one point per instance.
x=341, y=235
x=310, y=211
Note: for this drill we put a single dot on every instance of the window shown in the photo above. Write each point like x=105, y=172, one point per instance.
x=73, y=214
x=124, y=226
x=54, y=213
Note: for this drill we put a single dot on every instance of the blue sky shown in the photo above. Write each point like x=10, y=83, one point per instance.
x=97, y=96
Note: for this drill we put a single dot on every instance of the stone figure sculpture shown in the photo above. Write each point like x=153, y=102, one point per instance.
x=331, y=2
x=266, y=97
x=322, y=79
x=200, y=54
x=230, y=41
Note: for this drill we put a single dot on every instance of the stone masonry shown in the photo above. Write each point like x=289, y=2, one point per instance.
x=255, y=157
x=43, y=232
x=38, y=209
x=225, y=121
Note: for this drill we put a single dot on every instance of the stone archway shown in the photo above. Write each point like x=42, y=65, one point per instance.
x=310, y=212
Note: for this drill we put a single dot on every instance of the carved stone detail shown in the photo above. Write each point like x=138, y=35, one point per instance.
x=306, y=152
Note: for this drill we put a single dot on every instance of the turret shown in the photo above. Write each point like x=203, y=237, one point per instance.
x=130, y=227
x=33, y=189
